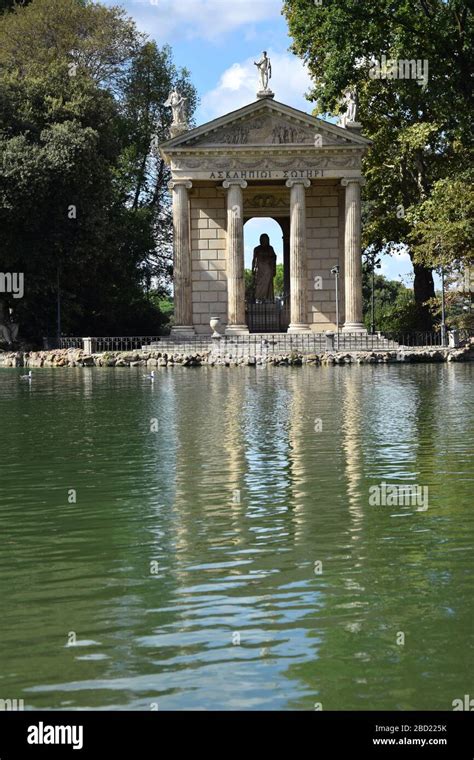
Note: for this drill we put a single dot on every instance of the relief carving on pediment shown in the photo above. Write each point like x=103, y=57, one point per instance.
x=284, y=133
x=234, y=134
x=269, y=130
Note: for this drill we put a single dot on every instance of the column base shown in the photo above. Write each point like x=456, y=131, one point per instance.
x=354, y=327
x=237, y=330
x=298, y=328
x=183, y=331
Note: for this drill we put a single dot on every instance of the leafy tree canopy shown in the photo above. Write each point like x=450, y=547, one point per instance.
x=83, y=191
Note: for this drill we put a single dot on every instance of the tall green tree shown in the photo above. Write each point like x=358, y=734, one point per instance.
x=394, y=305
x=421, y=131
x=100, y=40
x=143, y=175
x=79, y=214
x=443, y=225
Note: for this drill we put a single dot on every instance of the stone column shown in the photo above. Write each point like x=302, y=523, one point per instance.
x=183, y=305
x=298, y=273
x=235, y=258
x=353, y=257
x=285, y=224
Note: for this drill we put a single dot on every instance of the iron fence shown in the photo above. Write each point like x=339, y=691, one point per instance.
x=107, y=344
x=64, y=342
x=263, y=343
x=415, y=339
x=268, y=316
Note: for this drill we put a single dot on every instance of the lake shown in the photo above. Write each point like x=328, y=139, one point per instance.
x=207, y=541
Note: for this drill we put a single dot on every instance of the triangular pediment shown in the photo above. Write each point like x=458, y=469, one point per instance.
x=265, y=123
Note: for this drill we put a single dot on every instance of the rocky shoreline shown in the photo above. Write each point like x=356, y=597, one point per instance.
x=157, y=359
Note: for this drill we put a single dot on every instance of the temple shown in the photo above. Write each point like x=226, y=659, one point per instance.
x=267, y=160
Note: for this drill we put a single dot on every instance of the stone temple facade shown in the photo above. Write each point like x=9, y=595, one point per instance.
x=267, y=160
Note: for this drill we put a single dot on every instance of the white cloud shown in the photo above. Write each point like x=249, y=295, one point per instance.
x=238, y=86
x=208, y=19
x=401, y=257
x=397, y=266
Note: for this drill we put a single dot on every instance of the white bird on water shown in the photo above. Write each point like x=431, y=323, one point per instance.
x=151, y=376
x=28, y=377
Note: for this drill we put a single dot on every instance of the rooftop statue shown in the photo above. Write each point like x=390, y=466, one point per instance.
x=177, y=103
x=350, y=101
x=265, y=72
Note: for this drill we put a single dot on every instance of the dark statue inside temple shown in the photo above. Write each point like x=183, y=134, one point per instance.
x=264, y=269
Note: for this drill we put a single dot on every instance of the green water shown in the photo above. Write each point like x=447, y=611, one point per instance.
x=203, y=502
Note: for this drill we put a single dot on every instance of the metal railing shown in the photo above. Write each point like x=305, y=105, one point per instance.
x=268, y=316
x=65, y=342
x=105, y=344
x=262, y=343
x=415, y=339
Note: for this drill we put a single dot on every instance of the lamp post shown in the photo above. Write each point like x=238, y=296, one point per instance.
x=58, y=306
x=372, y=262
x=335, y=271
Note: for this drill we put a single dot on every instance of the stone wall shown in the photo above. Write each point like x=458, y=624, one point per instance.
x=325, y=249
x=227, y=357
x=208, y=250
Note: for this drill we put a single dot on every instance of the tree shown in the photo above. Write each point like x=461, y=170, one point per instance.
x=443, y=226
x=278, y=281
x=143, y=175
x=421, y=131
x=90, y=37
x=395, y=309
x=78, y=215
x=56, y=196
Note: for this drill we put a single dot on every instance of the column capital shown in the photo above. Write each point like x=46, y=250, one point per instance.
x=360, y=180
x=180, y=183
x=292, y=182
x=229, y=182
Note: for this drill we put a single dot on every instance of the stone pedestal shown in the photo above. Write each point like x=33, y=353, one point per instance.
x=353, y=258
x=235, y=258
x=298, y=269
x=178, y=128
x=89, y=345
x=356, y=126
x=183, y=308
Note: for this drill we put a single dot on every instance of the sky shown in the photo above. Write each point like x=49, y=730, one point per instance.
x=218, y=41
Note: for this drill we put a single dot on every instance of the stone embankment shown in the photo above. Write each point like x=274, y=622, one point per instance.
x=155, y=359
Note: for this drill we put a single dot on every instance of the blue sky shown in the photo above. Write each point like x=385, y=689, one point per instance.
x=218, y=40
